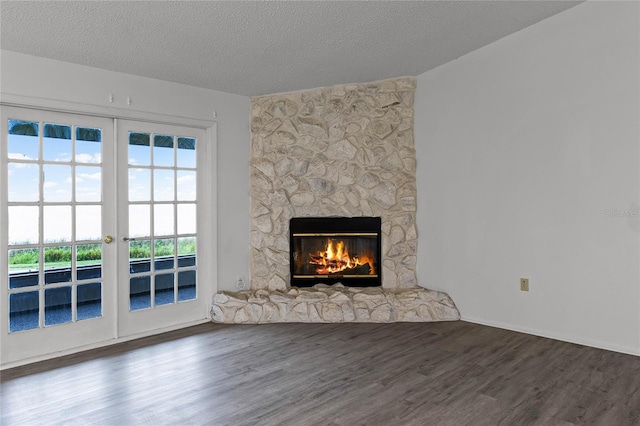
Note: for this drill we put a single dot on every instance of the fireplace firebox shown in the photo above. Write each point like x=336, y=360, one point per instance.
x=329, y=250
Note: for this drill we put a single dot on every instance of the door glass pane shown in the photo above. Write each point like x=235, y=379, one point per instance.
x=139, y=150
x=57, y=224
x=57, y=264
x=164, y=289
x=23, y=308
x=164, y=253
x=186, y=218
x=57, y=142
x=23, y=140
x=88, y=183
x=23, y=267
x=88, y=222
x=57, y=305
x=89, y=261
x=139, y=220
x=186, y=252
x=57, y=183
x=163, y=150
x=139, y=184
x=186, y=185
x=23, y=182
x=163, y=219
x=139, y=256
x=89, y=303
x=186, y=285
x=187, y=152
x=163, y=185
x=88, y=145
x=139, y=293
x=23, y=224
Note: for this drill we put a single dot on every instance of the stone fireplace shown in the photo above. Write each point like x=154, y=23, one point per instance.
x=339, y=151
x=336, y=152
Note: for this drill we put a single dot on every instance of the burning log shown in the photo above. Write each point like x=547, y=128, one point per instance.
x=336, y=261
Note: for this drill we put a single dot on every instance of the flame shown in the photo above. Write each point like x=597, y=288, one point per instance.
x=337, y=259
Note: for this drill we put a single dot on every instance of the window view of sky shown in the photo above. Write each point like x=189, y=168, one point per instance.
x=60, y=182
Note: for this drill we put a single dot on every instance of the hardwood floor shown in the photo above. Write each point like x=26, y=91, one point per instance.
x=453, y=373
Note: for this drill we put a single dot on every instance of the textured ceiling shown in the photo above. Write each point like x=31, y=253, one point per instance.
x=254, y=48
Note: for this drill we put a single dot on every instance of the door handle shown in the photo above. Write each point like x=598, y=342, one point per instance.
x=128, y=239
x=108, y=239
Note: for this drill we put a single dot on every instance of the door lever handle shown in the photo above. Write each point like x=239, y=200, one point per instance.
x=128, y=239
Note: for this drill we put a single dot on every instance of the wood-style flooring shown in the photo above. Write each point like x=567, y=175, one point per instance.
x=453, y=373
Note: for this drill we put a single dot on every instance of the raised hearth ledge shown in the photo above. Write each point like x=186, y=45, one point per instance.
x=330, y=304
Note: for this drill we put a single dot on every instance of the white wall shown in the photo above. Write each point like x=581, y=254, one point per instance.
x=45, y=82
x=523, y=147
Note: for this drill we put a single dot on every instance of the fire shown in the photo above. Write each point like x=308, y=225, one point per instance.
x=336, y=259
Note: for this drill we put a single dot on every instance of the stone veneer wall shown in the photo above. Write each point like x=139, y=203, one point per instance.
x=338, y=151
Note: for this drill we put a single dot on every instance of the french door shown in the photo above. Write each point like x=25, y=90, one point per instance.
x=160, y=240
x=57, y=272
x=101, y=231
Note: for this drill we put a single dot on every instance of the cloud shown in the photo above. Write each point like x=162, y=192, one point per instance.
x=49, y=184
x=186, y=178
x=90, y=176
x=63, y=156
x=19, y=156
x=88, y=158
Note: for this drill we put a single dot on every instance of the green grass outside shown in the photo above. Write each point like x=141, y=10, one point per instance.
x=91, y=254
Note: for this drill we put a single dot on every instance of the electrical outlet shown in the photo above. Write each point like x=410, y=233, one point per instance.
x=240, y=283
x=524, y=284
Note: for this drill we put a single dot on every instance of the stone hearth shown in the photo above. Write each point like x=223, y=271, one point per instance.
x=331, y=304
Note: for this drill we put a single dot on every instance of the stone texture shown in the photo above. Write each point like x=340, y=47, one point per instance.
x=330, y=304
x=346, y=150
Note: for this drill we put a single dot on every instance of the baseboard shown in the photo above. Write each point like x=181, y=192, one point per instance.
x=100, y=344
x=534, y=332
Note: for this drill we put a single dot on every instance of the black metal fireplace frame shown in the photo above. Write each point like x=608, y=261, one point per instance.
x=337, y=225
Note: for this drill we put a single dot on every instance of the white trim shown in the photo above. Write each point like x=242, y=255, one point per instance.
x=534, y=332
x=55, y=105
x=102, y=344
x=211, y=201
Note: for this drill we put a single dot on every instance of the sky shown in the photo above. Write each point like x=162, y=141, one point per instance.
x=58, y=186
